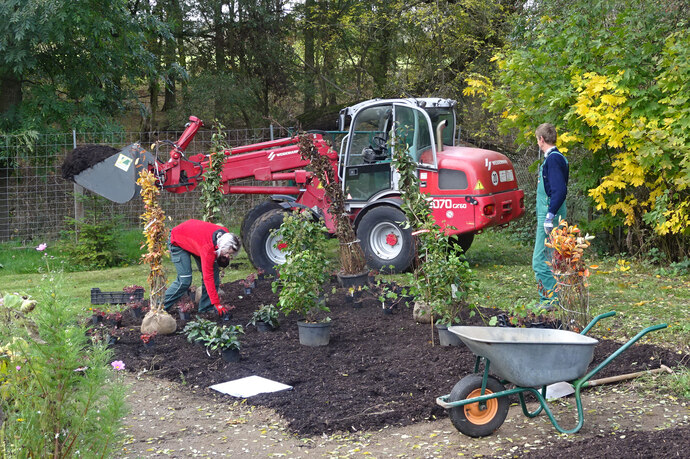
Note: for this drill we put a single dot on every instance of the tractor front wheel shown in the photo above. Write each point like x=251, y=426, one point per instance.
x=263, y=246
x=478, y=419
x=385, y=241
x=251, y=217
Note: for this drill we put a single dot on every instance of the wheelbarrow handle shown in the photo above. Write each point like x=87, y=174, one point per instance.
x=580, y=382
x=597, y=319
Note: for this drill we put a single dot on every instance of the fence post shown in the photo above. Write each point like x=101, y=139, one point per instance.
x=271, y=128
x=78, y=193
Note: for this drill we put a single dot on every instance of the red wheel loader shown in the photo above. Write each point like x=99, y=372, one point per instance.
x=470, y=188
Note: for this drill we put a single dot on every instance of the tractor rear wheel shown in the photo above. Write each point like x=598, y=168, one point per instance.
x=262, y=246
x=475, y=419
x=385, y=241
x=249, y=219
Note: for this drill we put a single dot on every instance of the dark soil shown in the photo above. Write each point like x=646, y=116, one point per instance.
x=378, y=369
x=83, y=157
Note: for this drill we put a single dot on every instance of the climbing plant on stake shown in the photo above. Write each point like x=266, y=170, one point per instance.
x=211, y=187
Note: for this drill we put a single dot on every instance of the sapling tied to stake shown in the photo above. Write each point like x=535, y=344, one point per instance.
x=351, y=255
x=157, y=319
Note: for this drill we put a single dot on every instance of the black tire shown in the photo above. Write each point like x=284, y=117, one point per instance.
x=252, y=216
x=261, y=243
x=469, y=419
x=375, y=231
x=462, y=241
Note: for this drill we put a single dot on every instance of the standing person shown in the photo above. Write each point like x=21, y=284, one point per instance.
x=212, y=246
x=552, y=188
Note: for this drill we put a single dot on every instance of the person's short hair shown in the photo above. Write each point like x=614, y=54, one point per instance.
x=548, y=132
x=228, y=244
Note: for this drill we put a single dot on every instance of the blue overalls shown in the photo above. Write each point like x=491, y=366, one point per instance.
x=545, y=280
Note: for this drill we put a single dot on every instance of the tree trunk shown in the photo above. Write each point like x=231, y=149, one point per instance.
x=309, y=67
x=219, y=48
x=10, y=94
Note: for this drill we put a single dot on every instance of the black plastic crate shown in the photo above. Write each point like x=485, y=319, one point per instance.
x=98, y=297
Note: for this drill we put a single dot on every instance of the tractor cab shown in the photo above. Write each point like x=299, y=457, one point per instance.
x=365, y=155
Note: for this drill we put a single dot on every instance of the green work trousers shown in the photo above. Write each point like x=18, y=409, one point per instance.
x=183, y=265
x=546, y=283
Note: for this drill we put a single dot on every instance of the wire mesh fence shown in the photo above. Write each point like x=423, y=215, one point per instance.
x=36, y=202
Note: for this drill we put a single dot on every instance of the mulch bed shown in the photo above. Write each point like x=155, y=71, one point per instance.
x=378, y=370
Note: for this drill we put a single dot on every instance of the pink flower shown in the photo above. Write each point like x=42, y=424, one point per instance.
x=42, y=246
x=19, y=367
x=118, y=365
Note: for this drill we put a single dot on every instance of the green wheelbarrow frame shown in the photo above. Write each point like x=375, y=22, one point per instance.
x=540, y=394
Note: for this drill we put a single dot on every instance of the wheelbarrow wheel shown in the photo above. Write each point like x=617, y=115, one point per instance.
x=471, y=419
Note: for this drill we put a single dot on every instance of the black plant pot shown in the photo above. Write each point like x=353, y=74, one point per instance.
x=230, y=355
x=137, y=313
x=388, y=311
x=260, y=276
x=96, y=319
x=447, y=338
x=348, y=299
x=112, y=341
x=314, y=334
x=264, y=327
x=353, y=280
x=185, y=316
x=247, y=291
x=357, y=303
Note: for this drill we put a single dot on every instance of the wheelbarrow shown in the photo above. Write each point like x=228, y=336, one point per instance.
x=528, y=358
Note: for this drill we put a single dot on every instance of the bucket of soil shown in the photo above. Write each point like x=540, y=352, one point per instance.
x=447, y=338
x=230, y=355
x=314, y=334
x=353, y=280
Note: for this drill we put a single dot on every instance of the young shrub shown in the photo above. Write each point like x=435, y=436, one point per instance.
x=267, y=313
x=60, y=394
x=157, y=319
x=443, y=278
x=306, y=267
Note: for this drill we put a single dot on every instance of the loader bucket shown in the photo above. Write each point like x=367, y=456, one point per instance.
x=115, y=178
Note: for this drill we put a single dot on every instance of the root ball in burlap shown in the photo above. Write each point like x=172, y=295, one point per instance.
x=158, y=321
x=422, y=313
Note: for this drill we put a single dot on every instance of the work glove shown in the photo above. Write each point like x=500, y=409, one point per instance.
x=223, y=312
x=548, y=223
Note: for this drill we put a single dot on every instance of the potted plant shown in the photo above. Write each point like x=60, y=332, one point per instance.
x=114, y=336
x=114, y=318
x=265, y=318
x=137, y=308
x=303, y=275
x=135, y=292
x=225, y=339
x=442, y=279
x=147, y=339
x=247, y=287
x=96, y=316
x=197, y=331
x=250, y=281
x=185, y=307
x=260, y=274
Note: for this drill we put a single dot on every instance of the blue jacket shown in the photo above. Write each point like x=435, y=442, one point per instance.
x=555, y=175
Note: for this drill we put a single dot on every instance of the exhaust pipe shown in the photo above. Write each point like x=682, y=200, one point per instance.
x=439, y=134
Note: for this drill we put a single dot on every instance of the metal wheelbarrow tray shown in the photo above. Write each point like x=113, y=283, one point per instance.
x=529, y=359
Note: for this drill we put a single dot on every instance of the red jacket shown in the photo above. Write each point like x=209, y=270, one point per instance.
x=196, y=237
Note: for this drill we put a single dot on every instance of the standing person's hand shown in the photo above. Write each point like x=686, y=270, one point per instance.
x=548, y=223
